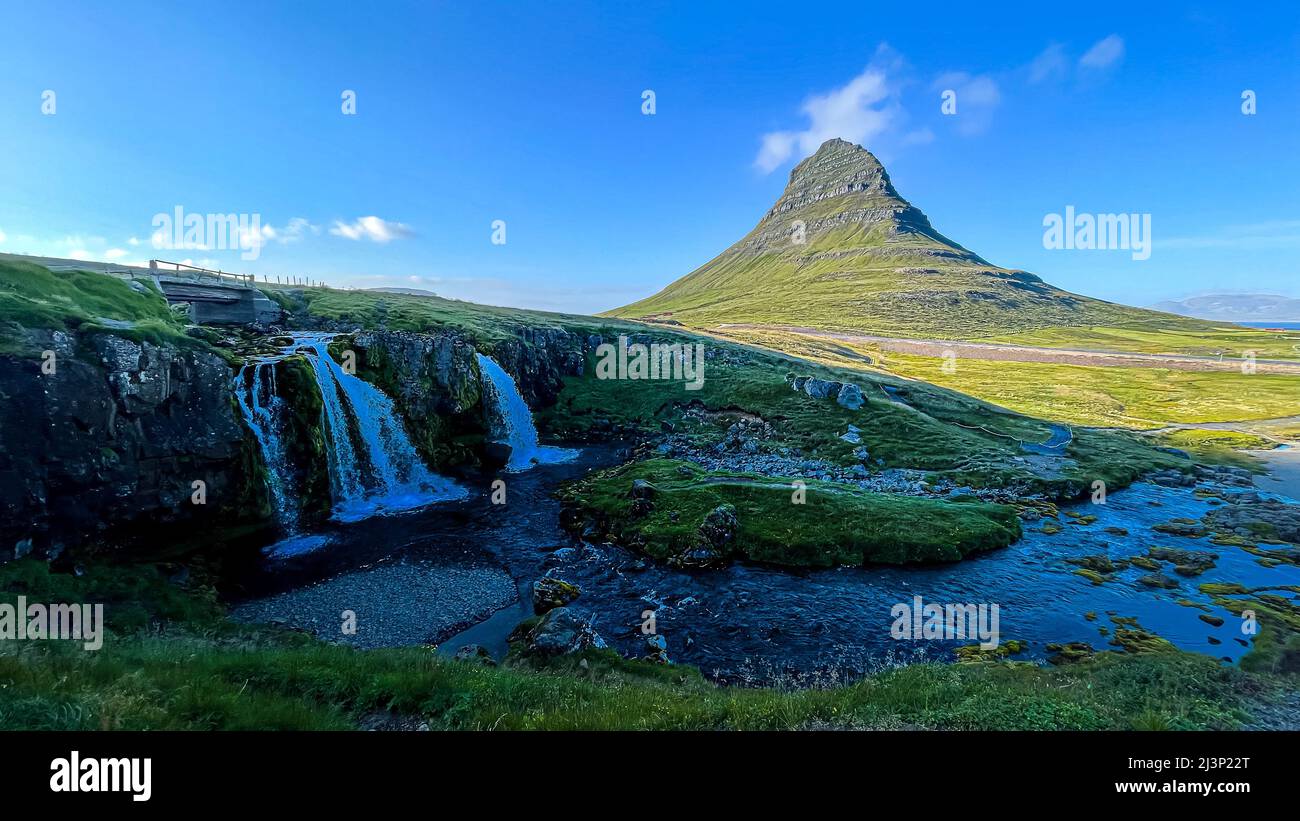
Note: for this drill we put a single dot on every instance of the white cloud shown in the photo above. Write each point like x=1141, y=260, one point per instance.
x=1104, y=53
x=114, y=253
x=858, y=111
x=371, y=228
x=133, y=241
x=295, y=230
x=977, y=96
x=80, y=253
x=1050, y=64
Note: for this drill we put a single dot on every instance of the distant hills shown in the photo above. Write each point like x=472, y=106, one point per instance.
x=1235, y=307
x=842, y=250
x=407, y=291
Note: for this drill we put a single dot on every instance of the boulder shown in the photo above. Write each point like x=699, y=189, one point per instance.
x=1186, y=562
x=850, y=396
x=656, y=650
x=720, y=527
x=561, y=632
x=822, y=389
x=496, y=454
x=475, y=654
x=549, y=593
x=1158, y=580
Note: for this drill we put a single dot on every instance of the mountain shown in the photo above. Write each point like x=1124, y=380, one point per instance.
x=842, y=250
x=1235, y=307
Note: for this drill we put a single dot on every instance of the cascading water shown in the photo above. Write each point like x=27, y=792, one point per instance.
x=517, y=420
x=378, y=471
x=374, y=469
x=263, y=410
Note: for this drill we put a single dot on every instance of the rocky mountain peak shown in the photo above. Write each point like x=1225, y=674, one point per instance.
x=843, y=184
x=840, y=167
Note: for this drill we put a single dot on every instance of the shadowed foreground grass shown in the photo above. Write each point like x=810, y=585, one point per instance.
x=172, y=661
x=256, y=680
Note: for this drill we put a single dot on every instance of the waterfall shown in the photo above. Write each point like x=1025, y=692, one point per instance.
x=517, y=420
x=263, y=409
x=374, y=468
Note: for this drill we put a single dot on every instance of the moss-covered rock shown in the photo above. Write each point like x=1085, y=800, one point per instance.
x=769, y=520
x=434, y=382
x=976, y=653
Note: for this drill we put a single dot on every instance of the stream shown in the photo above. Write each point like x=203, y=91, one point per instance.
x=744, y=624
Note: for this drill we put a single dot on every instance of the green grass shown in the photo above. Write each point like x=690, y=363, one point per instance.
x=1170, y=336
x=1219, y=447
x=484, y=325
x=940, y=430
x=134, y=596
x=180, y=681
x=172, y=662
x=832, y=525
x=1123, y=397
x=36, y=298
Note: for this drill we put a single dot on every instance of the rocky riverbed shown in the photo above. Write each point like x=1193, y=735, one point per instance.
x=417, y=573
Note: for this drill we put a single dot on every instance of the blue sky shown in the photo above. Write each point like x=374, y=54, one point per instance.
x=532, y=114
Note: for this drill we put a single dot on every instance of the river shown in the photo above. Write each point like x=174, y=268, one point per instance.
x=746, y=623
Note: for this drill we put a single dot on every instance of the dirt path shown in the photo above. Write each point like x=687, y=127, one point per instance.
x=1028, y=353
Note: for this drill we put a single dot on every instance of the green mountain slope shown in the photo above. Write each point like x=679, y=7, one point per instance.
x=841, y=250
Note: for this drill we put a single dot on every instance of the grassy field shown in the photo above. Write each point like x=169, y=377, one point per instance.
x=174, y=662
x=483, y=324
x=1122, y=397
x=936, y=429
x=1166, y=337
x=1126, y=397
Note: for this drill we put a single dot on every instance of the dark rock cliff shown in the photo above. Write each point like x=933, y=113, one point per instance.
x=110, y=445
x=105, y=450
x=433, y=380
x=539, y=359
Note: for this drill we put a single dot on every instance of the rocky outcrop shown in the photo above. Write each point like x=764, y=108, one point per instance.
x=538, y=359
x=560, y=632
x=112, y=443
x=846, y=394
x=433, y=379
